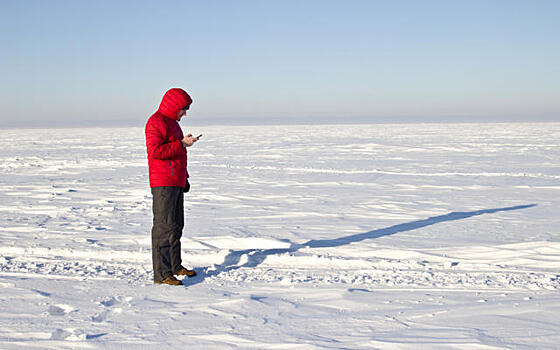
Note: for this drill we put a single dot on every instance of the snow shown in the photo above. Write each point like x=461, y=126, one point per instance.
x=411, y=236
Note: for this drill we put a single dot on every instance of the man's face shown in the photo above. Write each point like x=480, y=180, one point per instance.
x=182, y=113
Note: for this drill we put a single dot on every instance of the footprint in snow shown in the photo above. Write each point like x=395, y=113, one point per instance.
x=109, y=301
x=100, y=316
x=60, y=334
x=103, y=315
x=74, y=335
x=60, y=309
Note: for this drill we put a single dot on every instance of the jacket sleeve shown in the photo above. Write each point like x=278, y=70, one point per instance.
x=158, y=147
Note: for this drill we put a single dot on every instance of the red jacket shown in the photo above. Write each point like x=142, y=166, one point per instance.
x=167, y=158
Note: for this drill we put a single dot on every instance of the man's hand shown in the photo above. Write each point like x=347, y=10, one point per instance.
x=188, y=140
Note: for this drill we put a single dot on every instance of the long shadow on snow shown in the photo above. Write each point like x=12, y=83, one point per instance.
x=256, y=256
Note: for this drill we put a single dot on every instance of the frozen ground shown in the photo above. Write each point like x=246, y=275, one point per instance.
x=305, y=237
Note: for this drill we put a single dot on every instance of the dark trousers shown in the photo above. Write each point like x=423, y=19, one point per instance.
x=167, y=230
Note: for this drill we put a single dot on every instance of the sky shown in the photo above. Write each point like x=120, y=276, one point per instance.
x=260, y=62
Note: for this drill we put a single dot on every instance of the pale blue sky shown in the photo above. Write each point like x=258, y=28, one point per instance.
x=74, y=62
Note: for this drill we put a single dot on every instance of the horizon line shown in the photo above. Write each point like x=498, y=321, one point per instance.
x=129, y=124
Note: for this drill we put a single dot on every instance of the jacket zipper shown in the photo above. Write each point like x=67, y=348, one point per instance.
x=171, y=167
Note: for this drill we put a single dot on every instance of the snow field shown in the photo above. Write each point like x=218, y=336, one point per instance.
x=305, y=237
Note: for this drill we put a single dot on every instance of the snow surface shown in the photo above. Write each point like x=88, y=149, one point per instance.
x=425, y=236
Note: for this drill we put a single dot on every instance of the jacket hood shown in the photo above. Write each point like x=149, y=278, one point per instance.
x=173, y=101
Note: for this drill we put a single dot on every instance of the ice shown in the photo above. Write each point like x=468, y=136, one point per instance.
x=409, y=236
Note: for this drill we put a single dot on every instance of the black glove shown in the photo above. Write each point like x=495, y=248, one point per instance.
x=187, y=186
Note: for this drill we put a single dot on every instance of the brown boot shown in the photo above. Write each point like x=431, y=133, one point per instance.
x=185, y=272
x=171, y=280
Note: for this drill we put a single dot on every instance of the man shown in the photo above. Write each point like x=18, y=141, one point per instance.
x=167, y=162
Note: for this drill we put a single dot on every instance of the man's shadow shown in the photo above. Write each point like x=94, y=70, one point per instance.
x=254, y=257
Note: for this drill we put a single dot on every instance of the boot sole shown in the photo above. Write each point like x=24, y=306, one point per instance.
x=169, y=284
